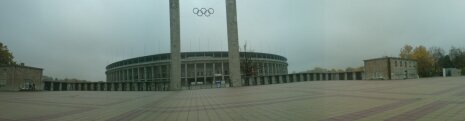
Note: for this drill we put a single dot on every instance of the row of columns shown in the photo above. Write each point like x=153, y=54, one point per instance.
x=289, y=78
x=139, y=73
x=104, y=86
x=159, y=72
x=164, y=86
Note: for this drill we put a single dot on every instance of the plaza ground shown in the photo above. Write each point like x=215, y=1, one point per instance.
x=394, y=100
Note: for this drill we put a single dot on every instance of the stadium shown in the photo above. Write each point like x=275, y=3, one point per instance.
x=198, y=69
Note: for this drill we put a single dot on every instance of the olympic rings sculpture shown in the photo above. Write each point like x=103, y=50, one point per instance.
x=203, y=11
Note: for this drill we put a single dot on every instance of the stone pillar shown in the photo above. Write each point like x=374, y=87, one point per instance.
x=354, y=76
x=222, y=71
x=60, y=86
x=307, y=75
x=327, y=76
x=91, y=88
x=175, y=71
x=143, y=86
x=83, y=86
x=253, y=81
x=233, y=43
x=266, y=80
x=96, y=87
x=204, y=74
x=257, y=79
x=298, y=77
x=195, y=74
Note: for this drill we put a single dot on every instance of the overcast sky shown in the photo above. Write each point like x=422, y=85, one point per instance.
x=78, y=38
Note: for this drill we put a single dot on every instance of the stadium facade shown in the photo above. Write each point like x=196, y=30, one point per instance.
x=206, y=69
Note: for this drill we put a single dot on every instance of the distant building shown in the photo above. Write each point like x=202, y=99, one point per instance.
x=390, y=68
x=451, y=72
x=20, y=77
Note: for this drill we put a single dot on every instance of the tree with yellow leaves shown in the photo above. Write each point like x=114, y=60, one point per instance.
x=423, y=57
x=424, y=60
x=406, y=52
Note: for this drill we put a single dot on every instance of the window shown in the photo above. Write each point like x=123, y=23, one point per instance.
x=395, y=63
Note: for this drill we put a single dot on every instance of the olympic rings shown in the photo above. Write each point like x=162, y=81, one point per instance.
x=203, y=11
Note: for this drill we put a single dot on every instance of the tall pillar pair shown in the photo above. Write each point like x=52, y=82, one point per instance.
x=233, y=44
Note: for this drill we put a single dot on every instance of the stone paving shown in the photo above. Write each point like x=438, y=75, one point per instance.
x=392, y=100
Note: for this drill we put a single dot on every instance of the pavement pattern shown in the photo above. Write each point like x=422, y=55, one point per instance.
x=440, y=99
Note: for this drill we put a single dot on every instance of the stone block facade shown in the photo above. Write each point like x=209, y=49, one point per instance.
x=387, y=68
x=17, y=77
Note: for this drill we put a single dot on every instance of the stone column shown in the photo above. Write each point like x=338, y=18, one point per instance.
x=233, y=43
x=327, y=76
x=354, y=76
x=254, y=81
x=222, y=71
x=267, y=79
x=195, y=74
x=175, y=71
x=204, y=74
x=60, y=86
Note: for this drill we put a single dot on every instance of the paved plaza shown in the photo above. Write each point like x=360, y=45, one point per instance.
x=393, y=100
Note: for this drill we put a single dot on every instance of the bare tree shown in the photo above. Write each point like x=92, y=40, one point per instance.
x=248, y=66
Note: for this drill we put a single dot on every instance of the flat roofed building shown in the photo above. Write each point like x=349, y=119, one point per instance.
x=20, y=77
x=390, y=68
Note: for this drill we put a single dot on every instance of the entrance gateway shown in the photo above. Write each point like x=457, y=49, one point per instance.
x=233, y=45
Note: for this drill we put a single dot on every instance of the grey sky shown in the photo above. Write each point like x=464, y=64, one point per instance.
x=78, y=38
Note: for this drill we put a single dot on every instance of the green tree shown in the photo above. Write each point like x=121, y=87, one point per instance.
x=445, y=62
x=6, y=58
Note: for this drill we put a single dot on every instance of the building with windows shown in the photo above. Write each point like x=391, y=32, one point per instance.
x=390, y=68
x=20, y=77
x=197, y=68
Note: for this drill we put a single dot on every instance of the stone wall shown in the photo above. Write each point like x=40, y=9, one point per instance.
x=13, y=78
x=376, y=69
x=390, y=68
